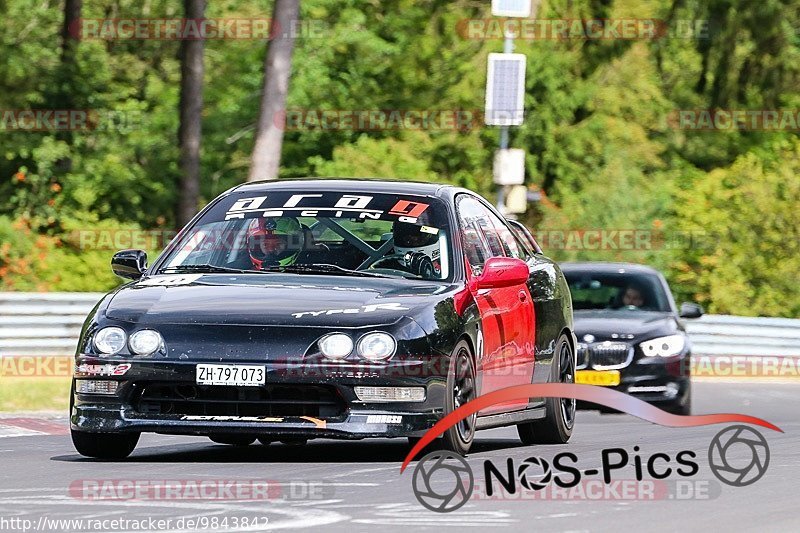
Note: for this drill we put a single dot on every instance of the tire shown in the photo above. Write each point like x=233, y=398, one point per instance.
x=461, y=389
x=266, y=441
x=109, y=446
x=556, y=427
x=232, y=439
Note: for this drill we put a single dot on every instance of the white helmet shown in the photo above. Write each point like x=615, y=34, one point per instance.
x=419, y=248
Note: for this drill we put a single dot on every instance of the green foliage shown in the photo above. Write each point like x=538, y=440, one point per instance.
x=750, y=260
x=597, y=133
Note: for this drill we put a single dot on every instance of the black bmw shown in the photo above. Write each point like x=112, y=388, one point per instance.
x=630, y=334
x=293, y=310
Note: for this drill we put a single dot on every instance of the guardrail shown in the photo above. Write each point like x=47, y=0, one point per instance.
x=744, y=336
x=42, y=323
x=50, y=323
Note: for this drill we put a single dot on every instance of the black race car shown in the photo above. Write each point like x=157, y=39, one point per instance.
x=293, y=310
x=630, y=334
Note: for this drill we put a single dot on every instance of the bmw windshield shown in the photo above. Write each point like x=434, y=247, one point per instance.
x=616, y=292
x=319, y=233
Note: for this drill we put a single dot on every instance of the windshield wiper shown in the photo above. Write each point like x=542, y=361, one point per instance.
x=205, y=268
x=335, y=270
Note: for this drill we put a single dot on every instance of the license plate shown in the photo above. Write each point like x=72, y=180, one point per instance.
x=236, y=375
x=604, y=378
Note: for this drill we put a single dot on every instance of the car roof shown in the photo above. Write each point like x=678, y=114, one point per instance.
x=347, y=185
x=607, y=268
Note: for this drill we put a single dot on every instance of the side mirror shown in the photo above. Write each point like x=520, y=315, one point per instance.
x=129, y=264
x=690, y=310
x=502, y=272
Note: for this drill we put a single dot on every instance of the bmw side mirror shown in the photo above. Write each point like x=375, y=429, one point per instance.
x=129, y=264
x=690, y=310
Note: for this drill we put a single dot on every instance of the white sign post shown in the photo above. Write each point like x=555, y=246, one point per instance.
x=505, y=90
x=511, y=8
x=505, y=99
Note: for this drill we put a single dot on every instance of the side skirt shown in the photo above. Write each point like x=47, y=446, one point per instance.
x=508, y=419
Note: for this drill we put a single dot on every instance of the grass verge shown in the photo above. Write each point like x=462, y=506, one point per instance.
x=34, y=393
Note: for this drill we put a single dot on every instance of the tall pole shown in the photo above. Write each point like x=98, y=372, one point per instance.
x=508, y=48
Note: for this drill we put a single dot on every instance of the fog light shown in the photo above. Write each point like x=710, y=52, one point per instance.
x=390, y=394
x=672, y=390
x=96, y=386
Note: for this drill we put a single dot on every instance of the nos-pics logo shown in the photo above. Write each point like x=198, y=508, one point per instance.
x=443, y=481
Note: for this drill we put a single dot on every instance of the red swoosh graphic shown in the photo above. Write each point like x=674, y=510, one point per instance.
x=590, y=393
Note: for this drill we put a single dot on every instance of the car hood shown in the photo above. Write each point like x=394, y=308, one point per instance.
x=284, y=300
x=624, y=325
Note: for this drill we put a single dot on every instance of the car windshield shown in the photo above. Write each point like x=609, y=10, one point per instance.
x=617, y=291
x=330, y=233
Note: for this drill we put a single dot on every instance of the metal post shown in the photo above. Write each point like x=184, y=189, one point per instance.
x=508, y=48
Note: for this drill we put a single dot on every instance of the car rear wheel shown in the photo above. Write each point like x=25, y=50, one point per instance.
x=461, y=387
x=233, y=439
x=556, y=426
x=104, y=445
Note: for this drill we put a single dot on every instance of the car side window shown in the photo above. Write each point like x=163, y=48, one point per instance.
x=511, y=245
x=473, y=223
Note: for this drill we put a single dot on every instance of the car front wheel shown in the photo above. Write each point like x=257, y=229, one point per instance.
x=461, y=387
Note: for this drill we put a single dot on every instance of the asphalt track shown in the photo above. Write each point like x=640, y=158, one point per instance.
x=357, y=486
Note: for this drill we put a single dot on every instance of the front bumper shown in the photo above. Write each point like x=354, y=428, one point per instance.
x=297, y=401
x=655, y=380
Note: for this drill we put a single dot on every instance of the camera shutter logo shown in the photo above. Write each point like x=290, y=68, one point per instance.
x=724, y=456
x=527, y=476
x=443, y=481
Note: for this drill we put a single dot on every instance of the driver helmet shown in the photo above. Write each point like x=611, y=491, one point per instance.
x=418, y=246
x=274, y=241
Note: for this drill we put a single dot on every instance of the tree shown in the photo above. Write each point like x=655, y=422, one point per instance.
x=191, y=108
x=277, y=68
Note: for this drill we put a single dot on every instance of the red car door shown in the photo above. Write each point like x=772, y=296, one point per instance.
x=507, y=330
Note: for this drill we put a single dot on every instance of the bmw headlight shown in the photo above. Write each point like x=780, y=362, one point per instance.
x=145, y=342
x=109, y=341
x=336, y=346
x=663, y=346
x=376, y=346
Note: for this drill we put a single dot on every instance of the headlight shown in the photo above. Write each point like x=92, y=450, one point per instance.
x=145, y=342
x=336, y=346
x=109, y=341
x=376, y=346
x=663, y=346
